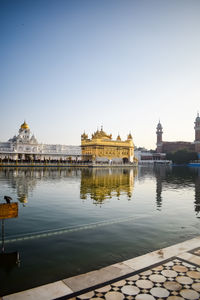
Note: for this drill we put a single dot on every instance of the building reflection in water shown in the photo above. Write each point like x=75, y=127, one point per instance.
x=179, y=178
x=160, y=174
x=104, y=183
x=24, y=180
x=197, y=193
x=100, y=184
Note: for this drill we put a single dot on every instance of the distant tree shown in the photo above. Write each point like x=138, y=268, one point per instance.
x=182, y=156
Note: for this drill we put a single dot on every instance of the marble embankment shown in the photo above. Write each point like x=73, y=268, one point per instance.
x=66, y=165
x=171, y=273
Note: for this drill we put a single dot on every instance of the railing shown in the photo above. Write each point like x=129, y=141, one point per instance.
x=58, y=163
x=195, y=161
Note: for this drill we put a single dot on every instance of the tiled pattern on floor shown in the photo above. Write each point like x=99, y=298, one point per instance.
x=172, y=280
x=195, y=251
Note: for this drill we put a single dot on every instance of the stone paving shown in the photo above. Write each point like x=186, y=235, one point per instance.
x=172, y=273
x=173, y=280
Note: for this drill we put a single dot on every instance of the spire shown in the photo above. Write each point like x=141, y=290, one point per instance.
x=197, y=118
x=84, y=136
x=118, y=137
x=130, y=136
x=159, y=126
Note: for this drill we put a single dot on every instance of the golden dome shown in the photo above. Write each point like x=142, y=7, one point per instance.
x=118, y=138
x=84, y=136
x=24, y=126
x=130, y=136
x=101, y=134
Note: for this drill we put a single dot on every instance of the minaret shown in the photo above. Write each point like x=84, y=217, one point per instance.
x=159, y=133
x=197, y=133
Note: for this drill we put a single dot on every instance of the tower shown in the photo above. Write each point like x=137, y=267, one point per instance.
x=24, y=132
x=159, y=133
x=197, y=133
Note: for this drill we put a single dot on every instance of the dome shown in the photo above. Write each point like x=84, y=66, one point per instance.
x=197, y=118
x=101, y=134
x=33, y=139
x=130, y=136
x=118, y=138
x=84, y=136
x=24, y=126
x=159, y=126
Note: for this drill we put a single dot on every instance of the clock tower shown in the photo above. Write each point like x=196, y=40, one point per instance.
x=159, y=133
x=197, y=133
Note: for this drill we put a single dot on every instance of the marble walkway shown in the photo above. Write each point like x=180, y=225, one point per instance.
x=172, y=273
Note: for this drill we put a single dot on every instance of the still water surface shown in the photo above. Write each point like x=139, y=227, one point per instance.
x=76, y=220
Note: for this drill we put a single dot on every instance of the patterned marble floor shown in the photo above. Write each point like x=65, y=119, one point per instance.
x=174, y=279
x=195, y=251
x=171, y=273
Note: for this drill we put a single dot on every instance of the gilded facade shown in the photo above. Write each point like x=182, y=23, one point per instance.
x=102, y=147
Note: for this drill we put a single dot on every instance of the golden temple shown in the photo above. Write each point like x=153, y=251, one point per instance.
x=102, y=146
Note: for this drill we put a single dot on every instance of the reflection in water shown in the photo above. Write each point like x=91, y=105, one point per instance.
x=101, y=184
x=76, y=236
x=11, y=259
x=160, y=175
x=176, y=178
x=197, y=192
x=180, y=178
x=8, y=261
x=24, y=180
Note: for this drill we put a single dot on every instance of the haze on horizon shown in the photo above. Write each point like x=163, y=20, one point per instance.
x=70, y=66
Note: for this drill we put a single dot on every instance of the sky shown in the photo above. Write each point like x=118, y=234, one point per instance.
x=69, y=66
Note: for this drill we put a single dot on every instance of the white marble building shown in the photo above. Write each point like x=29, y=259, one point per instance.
x=25, y=146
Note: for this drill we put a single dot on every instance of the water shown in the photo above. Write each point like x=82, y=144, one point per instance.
x=73, y=220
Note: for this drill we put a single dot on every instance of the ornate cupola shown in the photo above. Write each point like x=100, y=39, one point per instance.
x=25, y=125
x=24, y=133
x=159, y=132
x=101, y=135
x=84, y=136
x=118, y=138
x=159, y=126
x=129, y=137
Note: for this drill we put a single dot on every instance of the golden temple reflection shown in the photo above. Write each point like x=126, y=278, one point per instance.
x=100, y=184
x=23, y=199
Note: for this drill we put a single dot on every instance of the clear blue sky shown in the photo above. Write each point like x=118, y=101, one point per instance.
x=69, y=66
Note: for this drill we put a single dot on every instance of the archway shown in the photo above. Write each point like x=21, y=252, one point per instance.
x=125, y=160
